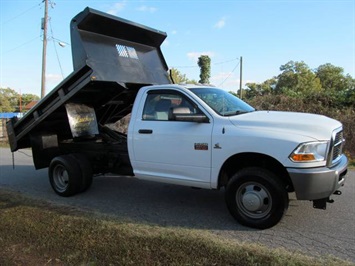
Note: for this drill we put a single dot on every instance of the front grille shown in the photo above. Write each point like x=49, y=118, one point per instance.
x=336, y=149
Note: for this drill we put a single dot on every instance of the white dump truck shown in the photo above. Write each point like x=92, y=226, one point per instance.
x=197, y=136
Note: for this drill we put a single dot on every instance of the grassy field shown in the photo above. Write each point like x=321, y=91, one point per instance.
x=34, y=232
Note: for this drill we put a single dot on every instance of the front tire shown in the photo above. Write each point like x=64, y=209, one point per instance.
x=256, y=198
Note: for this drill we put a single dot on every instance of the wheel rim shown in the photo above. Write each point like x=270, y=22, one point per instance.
x=60, y=178
x=254, y=200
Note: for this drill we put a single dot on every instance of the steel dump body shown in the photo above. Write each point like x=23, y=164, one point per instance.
x=113, y=58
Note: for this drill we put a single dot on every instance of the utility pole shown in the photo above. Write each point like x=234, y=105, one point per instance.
x=44, y=52
x=241, y=74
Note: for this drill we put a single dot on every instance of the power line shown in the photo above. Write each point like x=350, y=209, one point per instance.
x=227, y=61
x=35, y=38
x=194, y=66
x=22, y=13
x=230, y=73
x=15, y=48
x=55, y=48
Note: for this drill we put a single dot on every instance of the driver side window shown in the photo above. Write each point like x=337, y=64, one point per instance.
x=161, y=105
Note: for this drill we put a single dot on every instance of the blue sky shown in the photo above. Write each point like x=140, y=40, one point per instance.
x=267, y=34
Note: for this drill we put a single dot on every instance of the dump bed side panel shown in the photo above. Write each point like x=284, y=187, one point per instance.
x=49, y=113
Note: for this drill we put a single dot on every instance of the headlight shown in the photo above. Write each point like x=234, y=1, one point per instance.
x=310, y=152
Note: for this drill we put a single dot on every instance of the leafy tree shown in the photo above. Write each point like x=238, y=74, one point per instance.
x=180, y=78
x=340, y=87
x=297, y=79
x=331, y=77
x=259, y=89
x=27, y=98
x=326, y=86
x=5, y=106
x=9, y=100
x=349, y=93
x=204, y=62
x=234, y=93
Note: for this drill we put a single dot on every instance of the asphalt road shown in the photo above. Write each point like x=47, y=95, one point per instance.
x=311, y=231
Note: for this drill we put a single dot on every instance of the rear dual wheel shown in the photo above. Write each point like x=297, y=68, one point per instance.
x=256, y=198
x=70, y=174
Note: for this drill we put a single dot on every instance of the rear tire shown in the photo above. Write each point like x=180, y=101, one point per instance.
x=256, y=198
x=65, y=175
x=86, y=170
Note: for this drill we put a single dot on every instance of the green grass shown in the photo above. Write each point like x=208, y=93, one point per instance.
x=4, y=144
x=35, y=232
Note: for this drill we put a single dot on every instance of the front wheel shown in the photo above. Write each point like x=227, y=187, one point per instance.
x=256, y=198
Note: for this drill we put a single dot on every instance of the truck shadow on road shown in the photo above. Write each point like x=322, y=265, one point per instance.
x=160, y=204
x=133, y=200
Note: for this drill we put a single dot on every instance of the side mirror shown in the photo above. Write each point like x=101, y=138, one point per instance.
x=184, y=114
x=198, y=118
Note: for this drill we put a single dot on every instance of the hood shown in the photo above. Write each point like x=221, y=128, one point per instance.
x=314, y=126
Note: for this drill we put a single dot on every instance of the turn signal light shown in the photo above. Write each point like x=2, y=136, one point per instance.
x=303, y=157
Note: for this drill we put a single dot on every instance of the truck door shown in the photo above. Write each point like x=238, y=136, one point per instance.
x=163, y=148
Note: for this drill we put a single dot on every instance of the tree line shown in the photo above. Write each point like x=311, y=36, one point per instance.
x=327, y=83
x=11, y=101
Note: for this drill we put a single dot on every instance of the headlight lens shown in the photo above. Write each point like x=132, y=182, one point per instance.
x=310, y=152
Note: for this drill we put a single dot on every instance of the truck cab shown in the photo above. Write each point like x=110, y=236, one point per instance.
x=205, y=137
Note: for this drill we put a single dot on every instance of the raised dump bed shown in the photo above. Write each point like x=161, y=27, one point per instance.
x=113, y=58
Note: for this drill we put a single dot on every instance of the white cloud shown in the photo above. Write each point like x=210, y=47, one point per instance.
x=228, y=81
x=225, y=80
x=174, y=32
x=147, y=9
x=166, y=43
x=54, y=78
x=195, y=55
x=117, y=7
x=220, y=76
x=221, y=23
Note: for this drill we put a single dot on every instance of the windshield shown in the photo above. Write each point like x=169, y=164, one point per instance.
x=222, y=102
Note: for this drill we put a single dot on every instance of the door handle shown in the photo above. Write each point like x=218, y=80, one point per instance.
x=145, y=131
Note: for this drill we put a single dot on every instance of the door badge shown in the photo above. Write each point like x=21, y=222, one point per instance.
x=217, y=146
